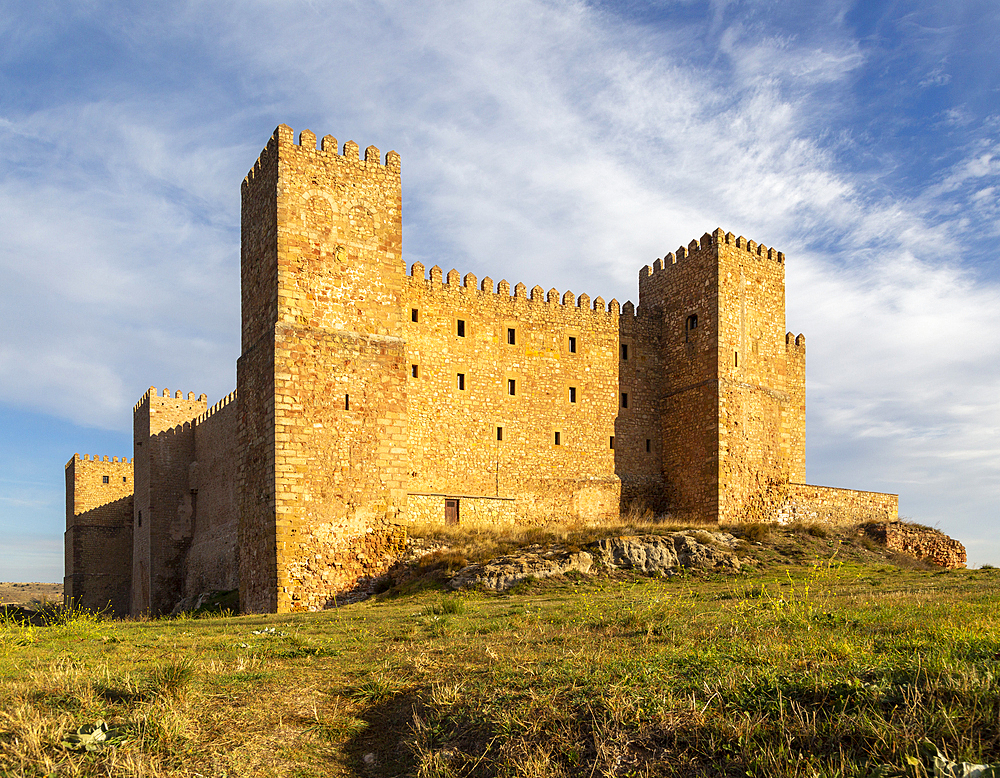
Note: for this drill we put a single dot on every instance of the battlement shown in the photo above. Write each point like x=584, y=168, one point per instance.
x=98, y=459
x=216, y=408
x=707, y=241
x=795, y=342
x=284, y=136
x=467, y=284
x=178, y=395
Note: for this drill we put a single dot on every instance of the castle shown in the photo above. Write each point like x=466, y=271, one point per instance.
x=369, y=398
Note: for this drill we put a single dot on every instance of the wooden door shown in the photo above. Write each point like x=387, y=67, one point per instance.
x=451, y=511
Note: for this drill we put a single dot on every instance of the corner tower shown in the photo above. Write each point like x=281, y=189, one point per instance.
x=732, y=392
x=321, y=381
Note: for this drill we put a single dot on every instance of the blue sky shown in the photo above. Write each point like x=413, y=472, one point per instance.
x=563, y=144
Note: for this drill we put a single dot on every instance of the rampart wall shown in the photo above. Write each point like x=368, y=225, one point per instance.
x=510, y=396
x=98, y=540
x=805, y=502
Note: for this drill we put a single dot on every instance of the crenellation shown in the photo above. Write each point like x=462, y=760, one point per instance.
x=370, y=397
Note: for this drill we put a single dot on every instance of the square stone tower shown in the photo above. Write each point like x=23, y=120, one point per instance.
x=732, y=389
x=321, y=381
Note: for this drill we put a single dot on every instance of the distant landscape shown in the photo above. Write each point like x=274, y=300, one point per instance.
x=824, y=655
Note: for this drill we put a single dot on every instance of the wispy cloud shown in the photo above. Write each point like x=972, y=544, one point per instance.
x=557, y=143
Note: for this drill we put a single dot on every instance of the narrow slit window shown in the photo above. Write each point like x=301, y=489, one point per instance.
x=572, y=394
x=460, y=328
x=736, y=359
x=624, y=399
x=624, y=351
x=511, y=336
x=414, y=315
x=511, y=387
x=647, y=445
x=692, y=321
x=499, y=433
x=611, y=444
x=572, y=344
x=140, y=518
x=105, y=479
x=461, y=382
x=415, y=371
x=558, y=440
x=124, y=480
x=347, y=402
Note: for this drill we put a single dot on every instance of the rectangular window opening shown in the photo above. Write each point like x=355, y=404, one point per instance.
x=511, y=336
x=624, y=399
x=461, y=381
x=647, y=445
x=511, y=387
x=414, y=315
x=415, y=371
x=612, y=444
x=558, y=439
x=105, y=479
x=625, y=352
x=572, y=394
x=736, y=359
x=572, y=345
x=499, y=433
x=347, y=402
x=124, y=480
x=461, y=328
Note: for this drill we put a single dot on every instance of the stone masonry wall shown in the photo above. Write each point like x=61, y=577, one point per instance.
x=805, y=502
x=212, y=561
x=164, y=450
x=924, y=543
x=325, y=275
x=98, y=540
x=547, y=445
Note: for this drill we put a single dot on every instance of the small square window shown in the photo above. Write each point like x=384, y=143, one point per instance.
x=648, y=445
x=624, y=350
x=624, y=399
x=105, y=479
x=414, y=315
x=499, y=433
x=572, y=394
x=558, y=439
x=461, y=382
x=460, y=328
x=511, y=387
x=572, y=344
x=612, y=443
x=415, y=371
x=511, y=336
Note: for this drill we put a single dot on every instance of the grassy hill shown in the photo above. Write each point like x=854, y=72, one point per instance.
x=821, y=657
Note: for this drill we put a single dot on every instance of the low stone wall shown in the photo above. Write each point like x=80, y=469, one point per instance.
x=476, y=511
x=924, y=543
x=828, y=504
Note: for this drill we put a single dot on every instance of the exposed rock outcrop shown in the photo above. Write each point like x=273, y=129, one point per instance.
x=502, y=573
x=653, y=554
x=924, y=543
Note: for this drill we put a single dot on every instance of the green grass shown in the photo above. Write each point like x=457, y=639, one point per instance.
x=810, y=670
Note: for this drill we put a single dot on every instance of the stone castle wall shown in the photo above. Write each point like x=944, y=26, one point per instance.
x=510, y=396
x=98, y=540
x=925, y=543
x=804, y=502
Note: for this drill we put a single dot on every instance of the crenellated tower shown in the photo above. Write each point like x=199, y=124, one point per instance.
x=321, y=381
x=732, y=407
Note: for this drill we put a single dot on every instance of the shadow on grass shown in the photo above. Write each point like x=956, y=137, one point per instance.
x=384, y=746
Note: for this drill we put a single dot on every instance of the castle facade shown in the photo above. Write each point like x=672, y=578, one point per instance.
x=370, y=397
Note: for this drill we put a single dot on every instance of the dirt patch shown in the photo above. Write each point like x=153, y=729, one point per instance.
x=30, y=594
